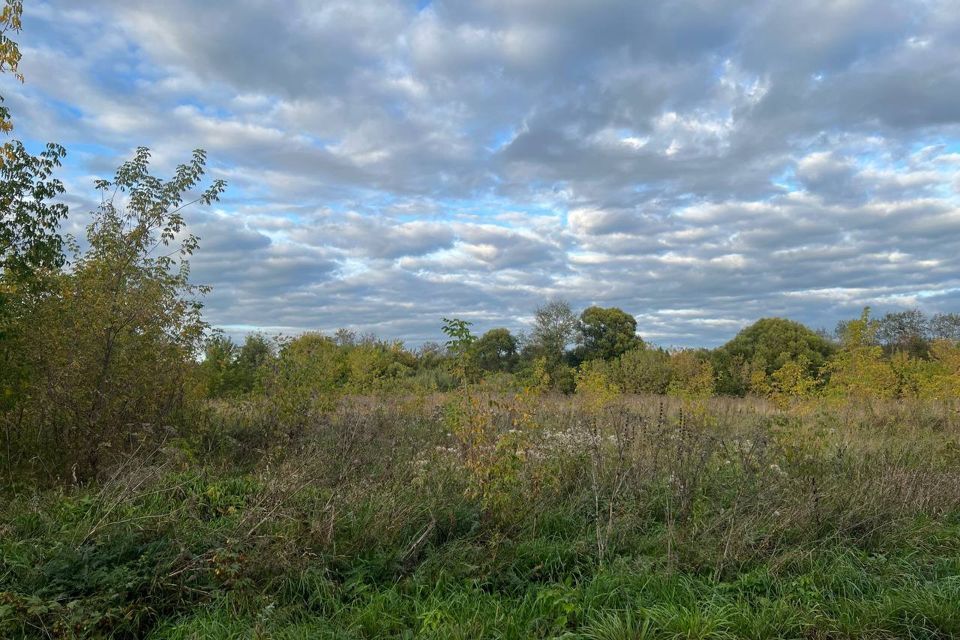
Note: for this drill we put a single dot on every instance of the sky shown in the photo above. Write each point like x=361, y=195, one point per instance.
x=698, y=163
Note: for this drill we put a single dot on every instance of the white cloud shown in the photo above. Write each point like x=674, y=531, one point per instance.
x=699, y=165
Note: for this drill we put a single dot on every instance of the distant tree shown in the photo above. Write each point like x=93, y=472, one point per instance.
x=691, y=374
x=253, y=356
x=429, y=355
x=862, y=330
x=770, y=343
x=858, y=370
x=945, y=326
x=904, y=331
x=309, y=375
x=643, y=370
x=733, y=372
x=554, y=328
x=944, y=379
x=496, y=350
x=219, y=354
x=606, y=333
x=345, y=337
x=373, y=367
x=460, y=345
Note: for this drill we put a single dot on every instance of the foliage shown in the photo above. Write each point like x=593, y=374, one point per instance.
x=904, y=331
x=643, y=370
x=789, y=383
x=107, y=349
x=10, y=22
x=496, y=350
x=461, y=344
x=31, y=251
x=859, y=370
x=945, y=326
x=554, y=328
x=606, y=333
x=30, y=243
x=691, y=375
x=770, y=343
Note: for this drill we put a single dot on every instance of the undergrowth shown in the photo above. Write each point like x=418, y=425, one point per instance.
x=475, y=516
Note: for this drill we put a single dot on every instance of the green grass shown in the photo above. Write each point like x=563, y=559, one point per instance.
x=700, y=521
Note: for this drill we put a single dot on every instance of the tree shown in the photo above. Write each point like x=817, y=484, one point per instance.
x=110, y=345
x=554, y=328
x=306, y=379
x=460, y=345
x=496, y=350
x=858, y=369
x=904, y=331
x=254, y=355
x=219, y=355
x=31, y=249
x=10, y=22
x=691, y=374
x=29, y=222
x=945, y=326
x=770, y=343
x=606, y=333
x=644, y=371
x=459, y=334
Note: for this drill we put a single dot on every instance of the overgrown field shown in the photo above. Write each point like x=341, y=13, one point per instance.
x=486, y=516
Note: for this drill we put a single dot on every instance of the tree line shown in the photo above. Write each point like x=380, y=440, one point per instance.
x=901, y=354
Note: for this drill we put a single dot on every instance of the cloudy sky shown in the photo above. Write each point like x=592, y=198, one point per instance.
x=698, y=163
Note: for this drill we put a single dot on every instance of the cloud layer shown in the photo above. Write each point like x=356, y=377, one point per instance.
x=699, y=164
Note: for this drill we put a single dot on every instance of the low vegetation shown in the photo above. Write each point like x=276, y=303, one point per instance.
x=470, y=515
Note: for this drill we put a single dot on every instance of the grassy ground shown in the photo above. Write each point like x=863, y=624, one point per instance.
x=530, y=517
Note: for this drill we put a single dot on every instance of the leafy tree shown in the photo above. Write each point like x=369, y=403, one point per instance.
x=945, y=326
x=858, y=370
x=377, y=366
x=109, y=347
x=606, y=333
x=31, y=249
x=792, y=381
x=691, y=374
x=29, y=222
x=734, y=373
x=459, y=334
x=643, y=370
x=595, y=384
x=554, y=328
x=255, y=354
x=219, y=355
x=345, y=337
x=770, y=343
x=496, y=350
x=10, y=22
x=943, y=379
x=460, y=345
x=904, y=331
x=304, y=382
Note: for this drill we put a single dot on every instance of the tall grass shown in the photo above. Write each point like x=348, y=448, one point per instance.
x=473, y=515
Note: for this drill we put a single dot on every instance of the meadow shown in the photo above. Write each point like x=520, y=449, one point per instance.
x=475, y=514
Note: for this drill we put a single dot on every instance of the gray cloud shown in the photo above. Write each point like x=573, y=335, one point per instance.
x=699, y=164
